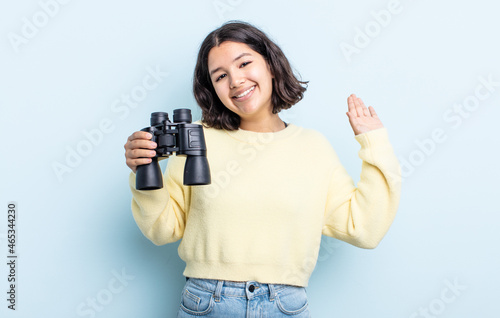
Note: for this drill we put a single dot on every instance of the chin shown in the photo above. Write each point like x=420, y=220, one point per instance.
x=247, y=110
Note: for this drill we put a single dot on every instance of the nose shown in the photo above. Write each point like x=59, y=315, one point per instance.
x=237, y=79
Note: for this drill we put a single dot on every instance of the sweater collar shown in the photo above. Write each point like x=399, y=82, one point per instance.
x=263, y=137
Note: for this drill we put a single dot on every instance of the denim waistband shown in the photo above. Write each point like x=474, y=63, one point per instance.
x=247, y=289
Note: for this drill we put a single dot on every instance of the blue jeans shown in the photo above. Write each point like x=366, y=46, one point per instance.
x=221, y=299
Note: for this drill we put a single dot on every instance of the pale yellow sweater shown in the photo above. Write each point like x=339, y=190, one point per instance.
x=272, y=197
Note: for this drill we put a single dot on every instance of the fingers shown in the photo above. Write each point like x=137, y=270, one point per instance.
x=350, y=104
x=372, y=112
x=139, y=149
x=134, y=163
x=352, y=119
x=140, y=135
x=353, y=122
x=360, y=106
x=140, y=139
x=140, y=143
x=139, y=153
x=357, y=107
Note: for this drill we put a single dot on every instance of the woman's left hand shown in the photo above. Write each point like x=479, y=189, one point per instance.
x=362, y=119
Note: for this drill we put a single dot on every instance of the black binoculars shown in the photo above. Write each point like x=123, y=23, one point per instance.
x=181, y=137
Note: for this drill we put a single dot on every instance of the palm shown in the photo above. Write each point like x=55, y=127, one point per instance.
x=362, y=119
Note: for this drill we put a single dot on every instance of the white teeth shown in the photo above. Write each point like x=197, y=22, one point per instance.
x=246, y=92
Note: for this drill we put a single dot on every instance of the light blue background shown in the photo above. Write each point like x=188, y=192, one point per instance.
x=75, y=234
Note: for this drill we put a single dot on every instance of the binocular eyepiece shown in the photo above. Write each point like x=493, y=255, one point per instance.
x=181, y=137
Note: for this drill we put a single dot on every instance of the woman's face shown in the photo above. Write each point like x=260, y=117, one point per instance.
x=242, y=80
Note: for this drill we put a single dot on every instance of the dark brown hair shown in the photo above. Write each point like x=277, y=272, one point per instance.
x=287, y=89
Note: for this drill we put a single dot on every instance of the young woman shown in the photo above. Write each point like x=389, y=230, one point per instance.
x=251, y=239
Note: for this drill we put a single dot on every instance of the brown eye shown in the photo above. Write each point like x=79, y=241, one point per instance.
x=220, y=77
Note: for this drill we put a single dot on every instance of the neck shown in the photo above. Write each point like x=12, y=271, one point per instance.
x=272, y=123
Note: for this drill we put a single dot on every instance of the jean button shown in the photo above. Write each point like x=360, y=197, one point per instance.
x=251, y=288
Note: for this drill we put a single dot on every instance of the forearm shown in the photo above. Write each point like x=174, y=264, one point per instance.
x=361, y=216
x=160, y=214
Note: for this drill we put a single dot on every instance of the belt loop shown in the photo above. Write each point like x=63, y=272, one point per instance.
x=272, y=292
x=218, y=290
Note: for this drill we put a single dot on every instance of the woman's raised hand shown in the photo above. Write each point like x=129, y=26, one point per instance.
x=139, y=149
x=362, y=119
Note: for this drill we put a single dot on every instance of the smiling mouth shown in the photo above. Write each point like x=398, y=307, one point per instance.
x=245, y=93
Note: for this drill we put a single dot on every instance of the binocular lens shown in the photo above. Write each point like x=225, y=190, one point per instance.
x=158, y=118
x=182, y=115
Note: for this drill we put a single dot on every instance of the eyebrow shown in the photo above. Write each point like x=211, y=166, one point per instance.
x=237, y=58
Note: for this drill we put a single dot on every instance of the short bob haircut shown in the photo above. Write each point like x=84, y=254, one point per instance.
x=287, y=89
